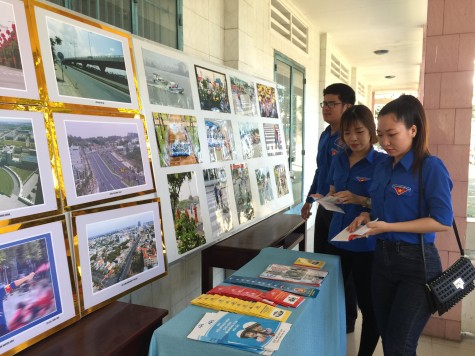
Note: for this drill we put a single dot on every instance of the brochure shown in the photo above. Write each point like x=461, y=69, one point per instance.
x=330, y=203
x=257, y=335
x=241, y=292
x=294, y=274
x=307, y=262
x=284, y=298
x=268, y=284
x=346, y=236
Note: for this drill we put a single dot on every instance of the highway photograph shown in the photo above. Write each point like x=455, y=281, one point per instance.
x=105, y=156
x=121, y=248
x=168, y=80
x=11, y=72
x=87, y=64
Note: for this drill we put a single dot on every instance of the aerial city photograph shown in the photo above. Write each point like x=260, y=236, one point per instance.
x=20, y=183
x=121, y=248
x=104, y=156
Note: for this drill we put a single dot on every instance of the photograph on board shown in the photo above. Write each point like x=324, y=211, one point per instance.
x=242, y=192
x=186, y=209
x=280, y=176
x=168, y=80
x=212, y=90
x=244, y=97
x=219, y=134
x=267, y=101
x=217, y=197
x=177, y=139
x=273, y=140
x=264, y=185
x=250, y=140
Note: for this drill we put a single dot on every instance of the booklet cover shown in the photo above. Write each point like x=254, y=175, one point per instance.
x=294, y=274
x=284, y=298
x=249, y=333
x=307, y=262
x=270, y=284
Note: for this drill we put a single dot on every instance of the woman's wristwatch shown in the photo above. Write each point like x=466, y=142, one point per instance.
x=367, y=202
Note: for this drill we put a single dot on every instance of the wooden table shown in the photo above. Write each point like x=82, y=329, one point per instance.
x=117, y=329
x=279, y=230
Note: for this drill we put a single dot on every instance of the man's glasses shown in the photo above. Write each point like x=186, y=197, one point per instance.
x=329, y=104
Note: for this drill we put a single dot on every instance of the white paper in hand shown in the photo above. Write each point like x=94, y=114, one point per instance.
x=347, y=236
x=329, y=203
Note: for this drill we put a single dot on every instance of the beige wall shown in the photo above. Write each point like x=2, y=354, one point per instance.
x=448, y=91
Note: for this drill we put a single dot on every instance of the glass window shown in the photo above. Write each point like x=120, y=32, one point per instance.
x=290, y=79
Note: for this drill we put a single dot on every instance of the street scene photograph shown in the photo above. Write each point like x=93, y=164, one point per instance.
x=244, y=97
x=121, y=248
x=273, y=140
x=281, y=180
x=20, y=180
x=168, y=80
x=105, y=156
x=219, y=134
x=242, y=192
x=186, y=209
x=27, y=290
x=264, y=185
x=11, y=70
x=216, y=185
x=212, y=90
x=267, y=101
x=250, y=140
x=177, y=139
x=87, y=64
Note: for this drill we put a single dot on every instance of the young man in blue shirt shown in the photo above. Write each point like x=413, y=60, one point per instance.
x=337, y=98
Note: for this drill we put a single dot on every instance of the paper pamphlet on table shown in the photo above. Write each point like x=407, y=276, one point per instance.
x=294, y=274
x=268, y=284
x=346, y=236
x=257, y=335
x=307, y=262
x=330, y=203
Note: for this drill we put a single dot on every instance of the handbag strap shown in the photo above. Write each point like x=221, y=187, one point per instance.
x=454, y=225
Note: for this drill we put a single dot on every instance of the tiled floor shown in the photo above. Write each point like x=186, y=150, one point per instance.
x=428, y=346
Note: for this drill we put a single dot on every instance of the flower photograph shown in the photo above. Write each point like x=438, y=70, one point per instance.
x=212, y=90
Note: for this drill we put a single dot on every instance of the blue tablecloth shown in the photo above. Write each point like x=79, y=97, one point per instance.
x=318, y=325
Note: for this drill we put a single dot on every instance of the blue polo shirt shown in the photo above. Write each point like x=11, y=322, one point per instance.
x=395, y=195
x=328, y=146
x=357, y=180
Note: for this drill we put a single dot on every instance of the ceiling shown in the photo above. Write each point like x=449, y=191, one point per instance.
x=359, y=27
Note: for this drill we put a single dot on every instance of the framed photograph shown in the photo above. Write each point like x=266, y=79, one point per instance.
x=186, y=210
x=267, y=100
x=264, y=185
x=250, y=140
x=219, y=134
x=102, y=158
x=244, y=96
x=212, y=90
x=119, y=248
x=177, y=139
x=26, y=179
x=273, y=140
x=36, y=295
x=85, y=63
x=242, y=192
x=280, y=176
x=168, y=80
x=217, y=196
x=18, y=76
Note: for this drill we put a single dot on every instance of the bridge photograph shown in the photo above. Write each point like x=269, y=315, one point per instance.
x=88, y=64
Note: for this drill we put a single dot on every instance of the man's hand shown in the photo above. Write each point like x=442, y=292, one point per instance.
x=305, y=212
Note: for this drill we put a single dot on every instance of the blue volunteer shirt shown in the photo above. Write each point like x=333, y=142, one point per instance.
x=395, y=195
x=328, y=146
x=357, y=180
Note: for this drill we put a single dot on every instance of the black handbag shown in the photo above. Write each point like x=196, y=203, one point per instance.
x=453, y=284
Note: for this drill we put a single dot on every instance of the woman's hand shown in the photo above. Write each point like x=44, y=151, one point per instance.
x=377, y=227
x=347, y=197
x=316, y=196
x=362, y=219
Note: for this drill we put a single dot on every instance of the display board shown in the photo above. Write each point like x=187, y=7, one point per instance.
x=111, y=148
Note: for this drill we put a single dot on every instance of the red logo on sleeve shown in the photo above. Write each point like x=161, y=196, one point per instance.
x=401, y=189
x=362, y=179
x=8, y=288
x=334, y=152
